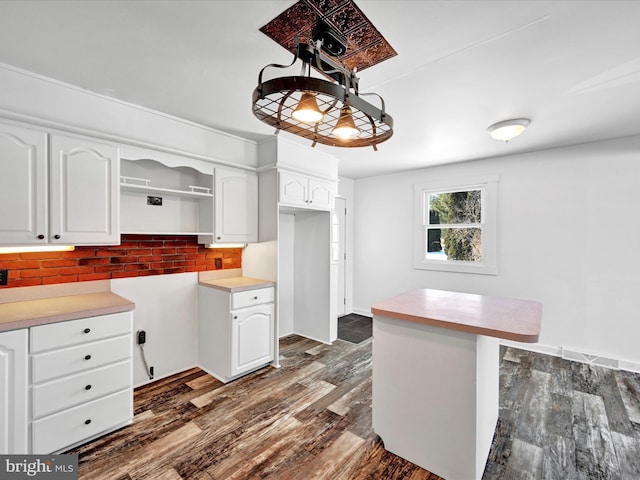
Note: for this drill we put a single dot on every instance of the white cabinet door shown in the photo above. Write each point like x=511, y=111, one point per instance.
x=320, y=193
x=302, y=191
x=23, y=186
x=14, y=398
x=84, y=192
x=293, y=189
x=251, y=338
x=236, y=206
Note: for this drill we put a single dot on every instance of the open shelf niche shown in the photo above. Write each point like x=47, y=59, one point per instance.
x=156, y=198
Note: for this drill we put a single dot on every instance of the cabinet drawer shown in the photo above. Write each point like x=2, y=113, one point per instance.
x=73, y=332
x=57, y=431
x=248, y=298
x=59, y=363
x=70, y=391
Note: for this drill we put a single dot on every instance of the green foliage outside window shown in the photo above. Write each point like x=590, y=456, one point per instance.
x=456, y=213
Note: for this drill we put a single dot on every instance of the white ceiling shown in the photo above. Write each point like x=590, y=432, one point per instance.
x=572, y=67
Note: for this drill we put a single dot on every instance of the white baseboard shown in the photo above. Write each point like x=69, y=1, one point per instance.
x=362, y=311
x=576, y=356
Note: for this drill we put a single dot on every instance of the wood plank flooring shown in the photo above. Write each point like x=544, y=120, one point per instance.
x=311, y=419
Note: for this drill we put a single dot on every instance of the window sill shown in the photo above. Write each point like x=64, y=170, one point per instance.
x=456, y=267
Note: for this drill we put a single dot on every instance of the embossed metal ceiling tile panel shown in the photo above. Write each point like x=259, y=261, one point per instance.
x=365, y=45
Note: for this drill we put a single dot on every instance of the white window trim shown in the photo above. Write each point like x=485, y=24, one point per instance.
x=489, y=186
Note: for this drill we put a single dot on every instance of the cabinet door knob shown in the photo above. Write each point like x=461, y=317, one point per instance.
x=57, y=237
x=255, y=298
x=88, y=387
x=87, y=330
x=218, y=238
x=87, y=421
x=40, y=237
x=87, y=357
x=235, y=317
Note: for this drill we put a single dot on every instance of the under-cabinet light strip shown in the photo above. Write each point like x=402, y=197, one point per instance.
x=37, y=248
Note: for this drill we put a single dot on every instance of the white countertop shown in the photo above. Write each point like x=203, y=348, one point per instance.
x=236, y=284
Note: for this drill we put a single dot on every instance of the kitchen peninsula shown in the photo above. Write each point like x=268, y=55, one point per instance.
x=435, y=374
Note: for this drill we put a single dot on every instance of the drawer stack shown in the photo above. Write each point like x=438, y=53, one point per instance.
x=81, y=380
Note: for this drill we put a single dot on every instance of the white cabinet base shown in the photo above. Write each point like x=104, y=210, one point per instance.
x=235, y=339
x=435, y=395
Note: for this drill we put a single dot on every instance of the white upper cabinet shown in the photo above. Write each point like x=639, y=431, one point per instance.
x=67, y=194
x=23, y=185
x=236, y=206
x=84, y=191
x=304, y=191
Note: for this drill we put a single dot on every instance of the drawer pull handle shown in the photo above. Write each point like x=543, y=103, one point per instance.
x=88, y=387
x=87, y=421
x=255, y=298
x=87, y=330
x=40, y=237
x=87, y=357
x=235, y=317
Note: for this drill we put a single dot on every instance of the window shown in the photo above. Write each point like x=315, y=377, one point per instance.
x=456, y=227
x=335, y=237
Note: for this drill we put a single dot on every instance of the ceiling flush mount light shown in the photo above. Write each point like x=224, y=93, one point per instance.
x=508, y=129
x=327, y=110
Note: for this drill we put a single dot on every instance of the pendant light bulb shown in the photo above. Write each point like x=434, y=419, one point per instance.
x=345, y=126
x=307, y=110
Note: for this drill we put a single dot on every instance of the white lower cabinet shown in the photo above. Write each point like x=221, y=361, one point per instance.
x=13, y=392
x=81, y=380
x=235, y=331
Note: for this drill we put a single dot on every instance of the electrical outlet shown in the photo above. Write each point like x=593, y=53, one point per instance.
x=142, y=337
x=155, y=201
x=4, y=277
x=217, y=262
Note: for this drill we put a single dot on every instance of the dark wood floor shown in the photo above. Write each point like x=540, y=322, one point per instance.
x=311, y=419
x=565, y=420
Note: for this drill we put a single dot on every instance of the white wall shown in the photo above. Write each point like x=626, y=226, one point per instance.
x=568, y=234
x=167, y=309
x=286, y=274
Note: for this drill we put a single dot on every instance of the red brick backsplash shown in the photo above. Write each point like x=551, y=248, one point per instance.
x=136, y=256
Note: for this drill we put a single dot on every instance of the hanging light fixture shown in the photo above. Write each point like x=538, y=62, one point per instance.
x=307, y=110
x=508, y=129
x=331, y=111
x=345, y=126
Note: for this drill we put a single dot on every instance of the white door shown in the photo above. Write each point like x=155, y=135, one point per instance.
x=23, y=186
x=251, y=338
x=84, y=192
x=236, y=206
x=14, y=398
x=341, y=238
